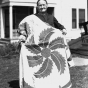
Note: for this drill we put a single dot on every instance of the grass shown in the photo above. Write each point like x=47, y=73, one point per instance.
x=9, y=71
x=79, y=76
x=9, y=74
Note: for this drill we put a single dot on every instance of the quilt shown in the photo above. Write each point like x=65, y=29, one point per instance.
x=44, y=56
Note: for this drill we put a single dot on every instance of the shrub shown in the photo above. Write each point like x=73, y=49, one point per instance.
x=9, y=50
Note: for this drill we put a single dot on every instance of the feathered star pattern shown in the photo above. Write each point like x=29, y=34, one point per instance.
x=46, y=49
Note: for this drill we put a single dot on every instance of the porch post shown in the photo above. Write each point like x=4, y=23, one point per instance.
x=34, y=10
x=11, y=21
x=2, y=23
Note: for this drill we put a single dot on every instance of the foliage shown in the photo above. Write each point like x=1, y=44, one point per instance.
x=9, y=50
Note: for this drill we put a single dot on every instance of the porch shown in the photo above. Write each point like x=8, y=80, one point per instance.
x=11, y=18
x=12, y=12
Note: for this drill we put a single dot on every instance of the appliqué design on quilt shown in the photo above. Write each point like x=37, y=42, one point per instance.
x=25, y=26
x=25, y=85
x=46, y=49
x=31, y=40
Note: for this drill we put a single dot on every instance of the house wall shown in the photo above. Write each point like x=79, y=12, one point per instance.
x=64, y=15
x=62, y=11
x=49, y=1
x=25, y=1
x=78, y=4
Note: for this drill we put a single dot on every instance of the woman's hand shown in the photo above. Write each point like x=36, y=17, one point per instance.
x=22, y=38
x=64, y=31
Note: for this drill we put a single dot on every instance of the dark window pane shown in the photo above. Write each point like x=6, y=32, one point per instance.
x=81, y=15
x=20, y=13
x=74, y=19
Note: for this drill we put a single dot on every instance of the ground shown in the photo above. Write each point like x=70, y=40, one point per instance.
x=9, y=74
x=79, y=76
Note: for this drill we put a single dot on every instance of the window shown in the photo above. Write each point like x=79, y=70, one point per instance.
x=81, y=15
x=74, y=19
x=19, y=13
x=78, y=16
x=50, y=10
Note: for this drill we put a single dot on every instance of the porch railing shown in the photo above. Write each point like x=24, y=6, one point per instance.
x=15, y=34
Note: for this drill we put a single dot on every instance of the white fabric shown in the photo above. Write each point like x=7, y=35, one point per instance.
x=54, y=79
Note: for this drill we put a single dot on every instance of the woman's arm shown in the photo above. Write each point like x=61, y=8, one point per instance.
x=58, y=25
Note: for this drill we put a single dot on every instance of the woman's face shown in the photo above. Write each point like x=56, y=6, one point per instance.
x=42, y=6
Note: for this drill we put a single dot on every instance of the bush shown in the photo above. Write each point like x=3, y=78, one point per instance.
x=9, y=50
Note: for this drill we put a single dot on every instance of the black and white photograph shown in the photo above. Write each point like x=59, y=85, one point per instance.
x=43, y=43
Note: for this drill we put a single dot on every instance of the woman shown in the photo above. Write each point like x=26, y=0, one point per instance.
x=43, y=57
x=42, y=14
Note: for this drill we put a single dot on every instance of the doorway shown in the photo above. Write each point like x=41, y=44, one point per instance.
x=50, y=10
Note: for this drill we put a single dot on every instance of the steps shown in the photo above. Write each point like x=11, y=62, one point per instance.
x=85, y=41
x=4, y=41
x=79, y=46
x=75, y=43
x=80, y=51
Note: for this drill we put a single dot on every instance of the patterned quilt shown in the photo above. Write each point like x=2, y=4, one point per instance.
x=44, y=56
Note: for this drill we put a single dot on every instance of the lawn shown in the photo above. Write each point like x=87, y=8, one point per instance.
x=79, y=76
x=9, y=74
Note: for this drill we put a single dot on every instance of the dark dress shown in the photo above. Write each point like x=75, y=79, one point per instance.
x=50, y=19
